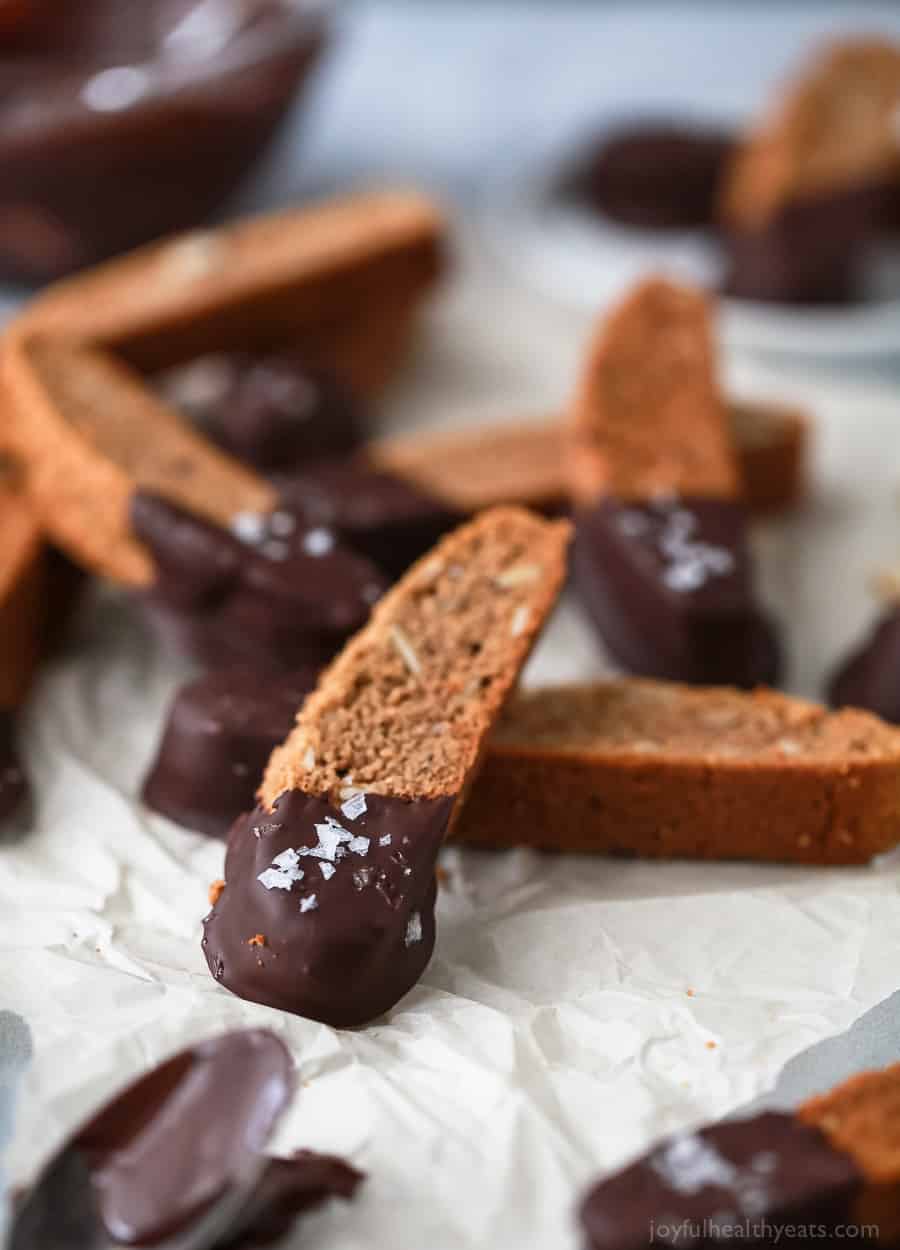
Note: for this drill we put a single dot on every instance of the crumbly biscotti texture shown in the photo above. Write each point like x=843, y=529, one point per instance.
x=647, y=417
x=303, y=276
x=833, y=128
x=523, y=462
x=405, y=708
x=23, y=597
x=660, y=769
x=89, y=434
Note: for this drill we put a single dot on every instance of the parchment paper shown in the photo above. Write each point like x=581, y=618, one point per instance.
x=575, y=1009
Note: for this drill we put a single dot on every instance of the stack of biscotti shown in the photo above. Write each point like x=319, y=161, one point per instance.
x=327, y=908
x=661, y=560
x=830, y=1169
x=811, y=184
x=659, y=769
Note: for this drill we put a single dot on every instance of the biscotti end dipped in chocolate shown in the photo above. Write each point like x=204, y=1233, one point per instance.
x=869, y=677
x=655, y=769
x=830, y=1167
x=135, y=1172
x=328, y=906
x=809, y=187
x=90, y=435
x=661, y=560
x=772, y=445
x=221, y=730
x=322, y=279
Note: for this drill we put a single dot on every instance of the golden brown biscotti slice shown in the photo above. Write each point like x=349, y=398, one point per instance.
x=659, y=769
x=834, y=126
x=306, y=275
x=328, y=904
x=89, y=435
x=523, y=462
x=647, y=417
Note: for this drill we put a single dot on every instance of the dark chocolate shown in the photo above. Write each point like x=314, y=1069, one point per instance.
x=124, y=121
x=811, y=252
x=324, y=913
x=656, y=174
x=189, y=1134
x=273, y=593
x=220, y=732
x=15, y=790
x=669, y=586
x=378, y=514
x=870, y=676
x=740, y=1182
x=270, y=410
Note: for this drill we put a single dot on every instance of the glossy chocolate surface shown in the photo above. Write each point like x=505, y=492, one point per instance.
x=190, y=1133
x=272, y=593
x=870, y=676
x=92, y=97
x=220, y=732
x=327, y=913
x=656, y=174
x=811, y=252
x=375, y=513
x=747, y=1176
x=669, y=586
x=270, y=410
x=15, y=791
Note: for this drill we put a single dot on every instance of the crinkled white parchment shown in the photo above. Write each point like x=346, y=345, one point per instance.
x=575, y=1009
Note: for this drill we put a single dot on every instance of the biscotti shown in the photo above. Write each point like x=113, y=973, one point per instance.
x=830, y=1170
x=661, y=559
x=328, y=906
x=323, y=278
x=869, y=676
x=90, y=436
x=523, y=462
x=657, y=769
x=809, y=186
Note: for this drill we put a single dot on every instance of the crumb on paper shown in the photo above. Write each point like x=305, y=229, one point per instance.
x=690, y=993
x=258, y=939
x=711, y=1045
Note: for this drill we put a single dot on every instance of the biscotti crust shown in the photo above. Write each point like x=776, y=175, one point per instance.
x=89, y=434
x=403, y=710
x=822, y=789
x=259, y=283
x=647, y=417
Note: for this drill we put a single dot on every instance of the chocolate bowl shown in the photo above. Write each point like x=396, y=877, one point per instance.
x=123, y=121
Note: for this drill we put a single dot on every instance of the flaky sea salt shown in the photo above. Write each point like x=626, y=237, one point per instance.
x=327, y=869
x=354, y=806
x=284, y=871
x=249, y=527
x=310, y=903
x=359, y=845
x=413, y=929
x=384, y=840
x=318, y=542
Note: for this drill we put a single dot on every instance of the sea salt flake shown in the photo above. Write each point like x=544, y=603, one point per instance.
x=318, y=542
x=354, y=807
x=327, y=869
x=361, y=877
x=359, y=845
x=384, y=840
x=310, y=903
x=284, y=871
x=249, y=527
x=413, y=929
x=688, y=1164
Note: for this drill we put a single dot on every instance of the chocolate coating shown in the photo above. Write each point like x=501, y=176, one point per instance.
x=870, y=676
x=669, y=587
x=279, y=596
x=811, y=251
x=656, y=174
x=220, y=732
x=336, y=931
x=189, y=1133
x=767, y=1171
x=93, y=93
x=385, y=518
x=271, y=410
x=15, y=790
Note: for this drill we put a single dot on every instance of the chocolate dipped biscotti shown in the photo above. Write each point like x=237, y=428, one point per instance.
x=661, y=559
x=828, y=1172
x=663, y=770
x=328, y=904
